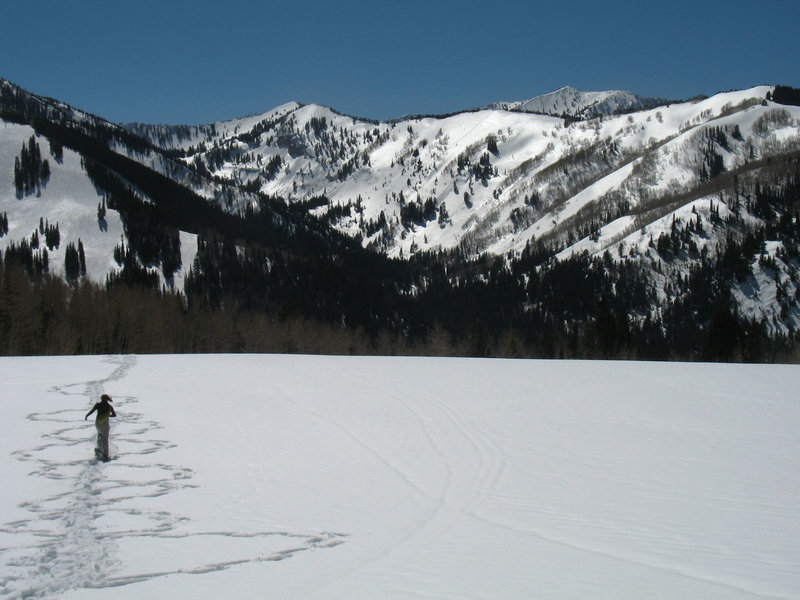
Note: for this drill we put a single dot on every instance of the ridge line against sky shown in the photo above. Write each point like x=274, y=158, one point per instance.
x=176, y=61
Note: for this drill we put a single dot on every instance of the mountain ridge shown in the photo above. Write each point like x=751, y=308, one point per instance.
x=566, y=100
x=572, y=102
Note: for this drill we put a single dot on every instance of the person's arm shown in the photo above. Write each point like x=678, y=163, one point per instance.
x=113, y=414
x=94, y=408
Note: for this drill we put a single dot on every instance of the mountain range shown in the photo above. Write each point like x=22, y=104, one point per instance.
x=648, y=196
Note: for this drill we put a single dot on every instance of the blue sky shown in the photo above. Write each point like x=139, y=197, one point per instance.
x=196, y=61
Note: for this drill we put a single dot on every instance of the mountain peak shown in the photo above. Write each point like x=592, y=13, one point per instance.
x=571, y=101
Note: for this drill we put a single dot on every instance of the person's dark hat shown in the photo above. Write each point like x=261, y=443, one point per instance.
x=106, y=397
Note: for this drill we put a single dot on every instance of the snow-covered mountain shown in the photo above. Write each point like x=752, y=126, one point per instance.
x=580, y=104
x=500, y=181
x=496, y=181
x=505, y=178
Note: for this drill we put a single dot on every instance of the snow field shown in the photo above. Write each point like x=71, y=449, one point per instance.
x=336, y=477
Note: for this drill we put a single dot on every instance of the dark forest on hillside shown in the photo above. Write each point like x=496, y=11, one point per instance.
x=578, y=308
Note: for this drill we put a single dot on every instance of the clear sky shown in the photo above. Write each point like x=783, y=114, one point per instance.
x=164, y=61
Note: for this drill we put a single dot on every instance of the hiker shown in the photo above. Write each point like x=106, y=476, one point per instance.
x=104, y=411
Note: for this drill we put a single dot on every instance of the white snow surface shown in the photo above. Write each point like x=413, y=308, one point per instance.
x=269, y=476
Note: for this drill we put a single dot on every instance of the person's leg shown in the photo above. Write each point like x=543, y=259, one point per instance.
x=102, y=439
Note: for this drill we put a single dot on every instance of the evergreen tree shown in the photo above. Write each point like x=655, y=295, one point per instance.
x=785, y=95
x=444, y=218
x=29, y=168
x=72, y=265
x=81, y=258
x=19, y=181
x=57, y=150
x=52, y=236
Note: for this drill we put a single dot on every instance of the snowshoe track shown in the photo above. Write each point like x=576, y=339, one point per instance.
x=67, y=543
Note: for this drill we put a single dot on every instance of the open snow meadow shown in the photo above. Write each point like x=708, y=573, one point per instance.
x=269, y=476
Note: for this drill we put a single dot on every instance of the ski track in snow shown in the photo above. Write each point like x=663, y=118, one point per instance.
x=465, y=495
x=70, y=548
x=452, y=437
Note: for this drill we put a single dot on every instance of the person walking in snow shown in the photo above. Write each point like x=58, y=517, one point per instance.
x=104, y=411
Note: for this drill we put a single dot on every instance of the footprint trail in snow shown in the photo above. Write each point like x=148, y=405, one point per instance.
x=71, y=538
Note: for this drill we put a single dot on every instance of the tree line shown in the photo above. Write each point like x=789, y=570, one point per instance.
x=30, y=170
x=44, y=314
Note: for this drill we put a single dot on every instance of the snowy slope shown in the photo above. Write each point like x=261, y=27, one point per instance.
x=536, y=167
x=69, y=199
x=577, y=103
x=183, y=137
x=302, y=477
